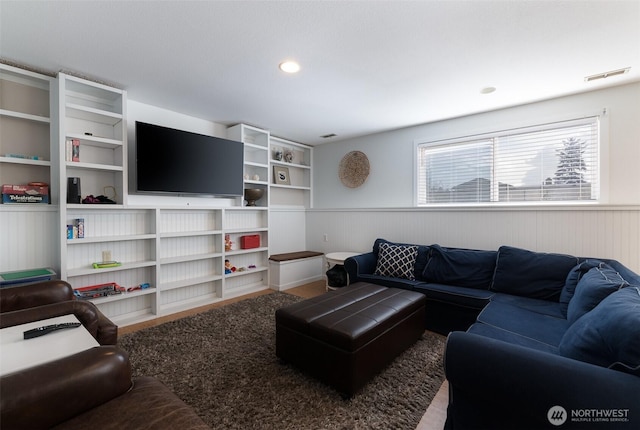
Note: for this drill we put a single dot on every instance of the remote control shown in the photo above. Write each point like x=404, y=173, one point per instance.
x=41, y=331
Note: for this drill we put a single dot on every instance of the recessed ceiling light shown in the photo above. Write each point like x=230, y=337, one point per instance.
x=487, y=90
x=607, y=74
x=289, y=67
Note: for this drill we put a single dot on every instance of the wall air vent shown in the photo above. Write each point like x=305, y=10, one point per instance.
x=607, y=74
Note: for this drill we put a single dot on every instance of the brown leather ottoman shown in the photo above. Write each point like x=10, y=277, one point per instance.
x=347, y=336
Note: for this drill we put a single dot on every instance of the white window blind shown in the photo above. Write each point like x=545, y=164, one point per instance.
x=553, y=162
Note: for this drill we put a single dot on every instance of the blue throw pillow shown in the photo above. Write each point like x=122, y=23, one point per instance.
x=460, y=267
x=421, y=257
x=531, y=274
x=592, y=288
x=572, y=280
x=609, y=335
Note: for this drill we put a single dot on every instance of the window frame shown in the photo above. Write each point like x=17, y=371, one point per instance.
x=601, y=120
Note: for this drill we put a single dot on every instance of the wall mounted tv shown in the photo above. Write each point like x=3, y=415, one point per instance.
x=180, y=162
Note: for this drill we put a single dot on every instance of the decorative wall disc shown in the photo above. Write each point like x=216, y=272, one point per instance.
x=354, y=169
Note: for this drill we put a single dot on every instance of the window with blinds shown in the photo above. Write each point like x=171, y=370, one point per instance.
x=553, y=162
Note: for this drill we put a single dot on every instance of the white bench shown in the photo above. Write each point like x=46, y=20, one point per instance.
x=294, y=269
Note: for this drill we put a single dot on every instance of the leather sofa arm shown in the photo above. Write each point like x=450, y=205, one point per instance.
x=36, y=294
x=107, y=330
x=498, y=385
x=149, y=405
x=48, y=394
x=99, y=326
x=363, y=264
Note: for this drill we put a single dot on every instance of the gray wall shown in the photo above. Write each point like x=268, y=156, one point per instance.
x=383, y=206
x=391, y=154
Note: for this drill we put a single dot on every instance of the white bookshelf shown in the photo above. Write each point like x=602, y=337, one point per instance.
x=94, y=115
x=297, y=159
x=25, y=128
x=179, y=251
x=256, y=158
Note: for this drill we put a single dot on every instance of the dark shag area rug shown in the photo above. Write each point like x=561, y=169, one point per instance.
x=223, y=364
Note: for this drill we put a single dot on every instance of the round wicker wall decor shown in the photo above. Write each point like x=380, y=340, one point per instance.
x=354, y=169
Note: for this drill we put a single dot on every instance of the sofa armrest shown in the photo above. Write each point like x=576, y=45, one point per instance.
x=498, y=385
x=107, y=330
x=149, y=405
x=100, y=327
x=48, y=394
x=36, y=294
x=363, y=264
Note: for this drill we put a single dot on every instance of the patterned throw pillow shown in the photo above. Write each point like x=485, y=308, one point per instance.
x=396, y=261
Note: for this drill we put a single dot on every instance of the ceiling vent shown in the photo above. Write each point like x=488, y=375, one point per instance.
x=607, y=74
x=329, y=136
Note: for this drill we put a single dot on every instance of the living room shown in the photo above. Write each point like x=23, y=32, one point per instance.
x=338, y=217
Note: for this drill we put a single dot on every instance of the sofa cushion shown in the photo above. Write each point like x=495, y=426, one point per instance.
x=461, y=267
x=510, y=337
x=592, y=288
x=523, y=322
x=421, y=257
x=386, y=281
x=531, y=274
x=397, y=261
x=572, y=280
x=609, y=334
x=539, y=306
x=460, y=296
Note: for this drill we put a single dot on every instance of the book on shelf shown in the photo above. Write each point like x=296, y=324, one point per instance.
x=72, y=150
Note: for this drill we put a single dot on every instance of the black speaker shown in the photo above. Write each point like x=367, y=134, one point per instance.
x=73, y=190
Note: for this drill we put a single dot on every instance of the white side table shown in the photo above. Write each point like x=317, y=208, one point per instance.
x=335, y=258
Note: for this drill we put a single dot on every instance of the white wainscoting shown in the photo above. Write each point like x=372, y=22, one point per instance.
x=28, y=237
x=287, y=230
x=605, y=232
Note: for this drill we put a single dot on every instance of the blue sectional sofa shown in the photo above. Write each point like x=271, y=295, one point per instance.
x=535, y=340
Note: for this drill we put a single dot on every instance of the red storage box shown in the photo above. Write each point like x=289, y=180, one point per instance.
x=251, y=241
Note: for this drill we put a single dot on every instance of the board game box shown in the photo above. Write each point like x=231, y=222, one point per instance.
x=25, y=194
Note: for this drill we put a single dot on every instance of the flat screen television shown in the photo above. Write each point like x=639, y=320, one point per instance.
x=180, y=162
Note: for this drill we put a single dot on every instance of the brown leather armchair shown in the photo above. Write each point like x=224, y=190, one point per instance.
x=88, y=390
x=48, y=299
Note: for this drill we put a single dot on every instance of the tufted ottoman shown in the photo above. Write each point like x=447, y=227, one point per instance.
x=346, y=336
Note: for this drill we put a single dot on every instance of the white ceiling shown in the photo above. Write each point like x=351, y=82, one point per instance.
x=367, y=66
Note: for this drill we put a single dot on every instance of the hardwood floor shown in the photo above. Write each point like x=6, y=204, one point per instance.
x=433, y=418
x=436, y=413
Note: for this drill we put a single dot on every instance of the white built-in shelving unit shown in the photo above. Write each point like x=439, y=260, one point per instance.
x=94, y=114
x=247, y=221
x=256, y=158
x=25, y=128
x=297, y=159
x=129, y=235
x=261, y=161
x=178, y=251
